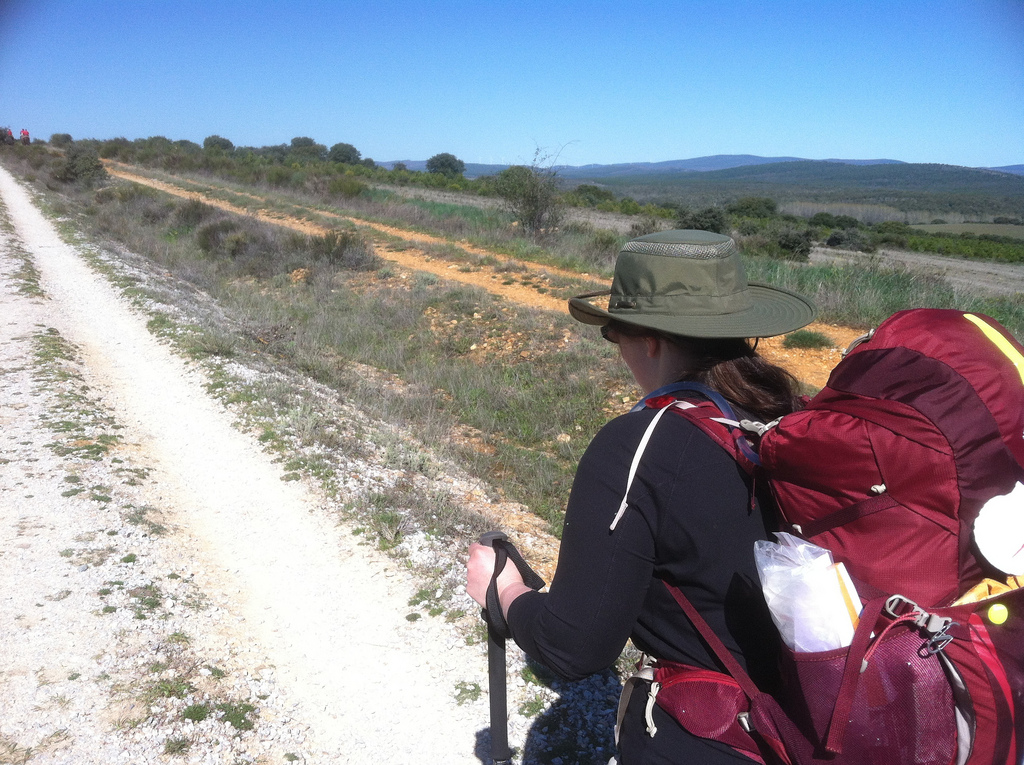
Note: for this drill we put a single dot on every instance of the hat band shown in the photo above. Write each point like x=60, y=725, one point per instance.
x=680, y=304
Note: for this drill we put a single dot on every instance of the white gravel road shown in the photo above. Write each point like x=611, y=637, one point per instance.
x=298, y=620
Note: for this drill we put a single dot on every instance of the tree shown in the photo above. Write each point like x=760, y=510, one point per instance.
x=531, y=195
x=345, y=154
x=80, y=166
x=305, y=149
x=399, y=166
x=754, y=207
x=61, y=139
x=217, y=143
x=591, y=195
x=708, y=219
x=446, y=164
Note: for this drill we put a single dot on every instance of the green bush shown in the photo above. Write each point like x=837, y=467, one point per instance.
x=588, y=195
x=346, y=186
x=754, y=207
x=210, y=237
x=708, y=219
x=279, y=176
x=191, y=213
x=795, y=242
x=80, y=166
x=61, y=139
x=446, y=164
x=531, y=196
x=345, y=249
x=850, y=239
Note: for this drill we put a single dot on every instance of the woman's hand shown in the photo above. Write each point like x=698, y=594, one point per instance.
x=479, y=570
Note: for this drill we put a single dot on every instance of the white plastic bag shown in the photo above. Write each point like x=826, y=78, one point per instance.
x=812, y=600
x=999, y=531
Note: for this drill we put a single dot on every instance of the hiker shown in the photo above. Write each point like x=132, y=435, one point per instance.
x=24, y=137
x=680, y=309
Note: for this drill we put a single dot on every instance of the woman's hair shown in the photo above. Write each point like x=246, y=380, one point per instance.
x=733, y=368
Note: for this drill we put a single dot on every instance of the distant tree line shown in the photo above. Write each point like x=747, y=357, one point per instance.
x=534, y=195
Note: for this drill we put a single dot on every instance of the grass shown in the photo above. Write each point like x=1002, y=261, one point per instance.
x=237, y=714
x=466, y=692
x=990, y=229
x=805, y=338
x=177, y=745
x=521, y=379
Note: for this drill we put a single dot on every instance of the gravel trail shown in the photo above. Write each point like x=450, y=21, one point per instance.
x=299, y=620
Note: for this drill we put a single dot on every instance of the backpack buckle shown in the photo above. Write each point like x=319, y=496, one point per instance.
x=743, y=718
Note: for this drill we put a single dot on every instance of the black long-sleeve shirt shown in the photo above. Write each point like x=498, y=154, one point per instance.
x=690, y=521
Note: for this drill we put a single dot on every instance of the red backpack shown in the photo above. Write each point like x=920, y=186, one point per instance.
x=887, y=467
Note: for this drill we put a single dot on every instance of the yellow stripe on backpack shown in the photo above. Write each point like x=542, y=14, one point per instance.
x=1001, y=342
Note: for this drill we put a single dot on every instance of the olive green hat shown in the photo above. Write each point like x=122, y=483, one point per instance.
x=692, y=283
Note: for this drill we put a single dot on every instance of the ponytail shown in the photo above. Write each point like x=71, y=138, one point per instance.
x=732, y=367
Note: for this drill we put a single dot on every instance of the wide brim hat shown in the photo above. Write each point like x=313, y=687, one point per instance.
x=692, y=283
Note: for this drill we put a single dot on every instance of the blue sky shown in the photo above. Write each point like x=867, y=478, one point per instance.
x=593, y=82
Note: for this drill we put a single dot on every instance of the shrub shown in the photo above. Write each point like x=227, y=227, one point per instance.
x=628, y=206
x=279, y=176
x=80, y=166
x=346, y=186
x=60, y=139
x=446, y=164
x=345, y=249
x=648, y=224
x=589, y=195
x=754, y=207
x=824, y=220
x=210, y=237
x=708, y=219
x=531, y=196
x=795, y=242
x=850, y=239
x=191, y=213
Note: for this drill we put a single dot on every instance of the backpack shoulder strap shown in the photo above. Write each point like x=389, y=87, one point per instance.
x=714, y=417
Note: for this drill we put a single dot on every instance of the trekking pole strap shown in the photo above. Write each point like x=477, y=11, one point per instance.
x=505, y=551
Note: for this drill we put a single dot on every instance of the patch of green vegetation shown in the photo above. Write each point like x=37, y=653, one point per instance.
x=172, y=688
x=237, y=715
x=196, y=712
x=805, y=338
x=467, y=692
x=177, y=745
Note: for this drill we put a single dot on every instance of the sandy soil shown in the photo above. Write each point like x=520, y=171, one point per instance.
x=312, y=624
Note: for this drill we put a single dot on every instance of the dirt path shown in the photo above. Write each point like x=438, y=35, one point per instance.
x=810, y=366
x=313, y=623
x=487, y=278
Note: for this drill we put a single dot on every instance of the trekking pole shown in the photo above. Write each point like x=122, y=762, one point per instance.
x=497, y=631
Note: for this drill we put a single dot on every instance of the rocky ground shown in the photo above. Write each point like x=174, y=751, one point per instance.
x=166, y=595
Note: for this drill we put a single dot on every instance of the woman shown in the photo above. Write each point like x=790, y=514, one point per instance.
x=680, y=309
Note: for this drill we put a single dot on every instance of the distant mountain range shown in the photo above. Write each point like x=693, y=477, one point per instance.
x=696, y=165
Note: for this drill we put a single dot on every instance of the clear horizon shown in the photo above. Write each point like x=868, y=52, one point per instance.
x=493, y=83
